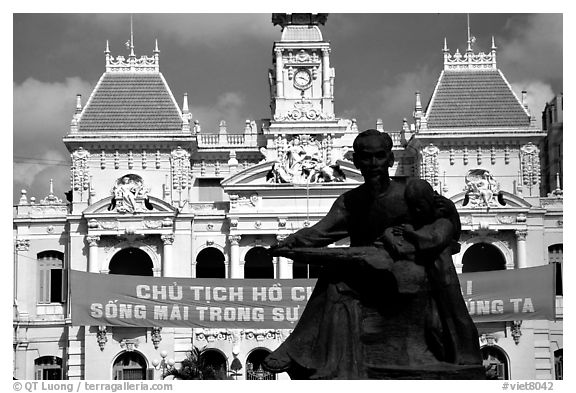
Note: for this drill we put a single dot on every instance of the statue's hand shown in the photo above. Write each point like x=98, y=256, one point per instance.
x=288, y=243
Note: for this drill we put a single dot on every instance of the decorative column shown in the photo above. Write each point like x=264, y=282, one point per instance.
x=167, y=269
x=235, y=270
x=93, y=265
x=521, y=247
x=23, y=270
x=279, y=73
x=284, y=270
x=325, y=72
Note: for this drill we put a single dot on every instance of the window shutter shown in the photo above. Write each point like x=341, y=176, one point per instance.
x=43, y=287
x=38, y=374
x=119, y=375
x=150, y=374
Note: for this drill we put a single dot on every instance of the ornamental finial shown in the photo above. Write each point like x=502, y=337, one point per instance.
x=107, y=51
x=185, y=104
x=78, y=103
x=51, y=187
x=493, y=44
x=418, y=105
x=445, y=50
x=156, y=50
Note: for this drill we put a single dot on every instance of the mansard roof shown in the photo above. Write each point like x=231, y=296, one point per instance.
x=131, y=102
x=475, y=98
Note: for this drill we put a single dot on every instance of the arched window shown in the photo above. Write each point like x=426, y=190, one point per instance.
x=48, y=367
x=258, y=263
x=495, y=362
x=210, y=264
x=131, y=261
x=214, y=364
x=556, y=255
x=131, y=366
x=254, y=370
x=482, y=257
x=51, y=274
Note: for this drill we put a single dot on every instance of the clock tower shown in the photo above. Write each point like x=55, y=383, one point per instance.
x=301, y=80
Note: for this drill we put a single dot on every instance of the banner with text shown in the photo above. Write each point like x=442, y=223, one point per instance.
x=119, y=300
x=510, y=295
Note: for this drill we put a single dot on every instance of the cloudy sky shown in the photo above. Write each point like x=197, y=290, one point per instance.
x=221, y=61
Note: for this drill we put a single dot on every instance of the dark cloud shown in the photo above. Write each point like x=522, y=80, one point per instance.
x=221, y=61
x=42, y=115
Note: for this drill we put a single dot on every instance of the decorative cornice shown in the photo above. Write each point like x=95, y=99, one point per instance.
x=469, y=60
x=144, y=64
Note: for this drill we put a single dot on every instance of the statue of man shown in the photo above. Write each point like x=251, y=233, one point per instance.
x=357, y=320
x=126, y=190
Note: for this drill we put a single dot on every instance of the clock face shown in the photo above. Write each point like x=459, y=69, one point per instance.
x=302, y=79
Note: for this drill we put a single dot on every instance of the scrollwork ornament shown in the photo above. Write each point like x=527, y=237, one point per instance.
x=152, y=224
x=80, y=175
x=101, y=337
x=92, y=240
x=516, y=331
x=234, y=239
x=430, y=166
x=521, y=234
x=180, y=168
x=530, y=158
x=167, y=240
x=156, y=336
x=22, y=244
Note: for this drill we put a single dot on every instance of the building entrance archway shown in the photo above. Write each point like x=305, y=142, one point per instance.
x=254, y=370
x=258, y=263
x=129, y=366
x=495, y=362
x=214, y=361
x=210, y=263
x=482, y=257
x=131, y=261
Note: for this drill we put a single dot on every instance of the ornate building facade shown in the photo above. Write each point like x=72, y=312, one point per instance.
x=154, y=194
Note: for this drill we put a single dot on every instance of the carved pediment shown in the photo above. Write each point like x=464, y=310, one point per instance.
x=512, y=201
x=261, y=173
x=157, y=205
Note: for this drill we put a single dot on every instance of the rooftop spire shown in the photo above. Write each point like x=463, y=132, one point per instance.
x=131, y=38
x=471, y=39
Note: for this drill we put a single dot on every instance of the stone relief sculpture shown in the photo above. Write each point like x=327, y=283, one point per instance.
x=303, y=161
x=129, y=195
x=482, y=190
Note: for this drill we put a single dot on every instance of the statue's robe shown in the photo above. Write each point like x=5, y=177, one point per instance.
x=357, y=320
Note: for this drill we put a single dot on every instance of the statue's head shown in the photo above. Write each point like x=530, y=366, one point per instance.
x=419, y=197
x=373, y=153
